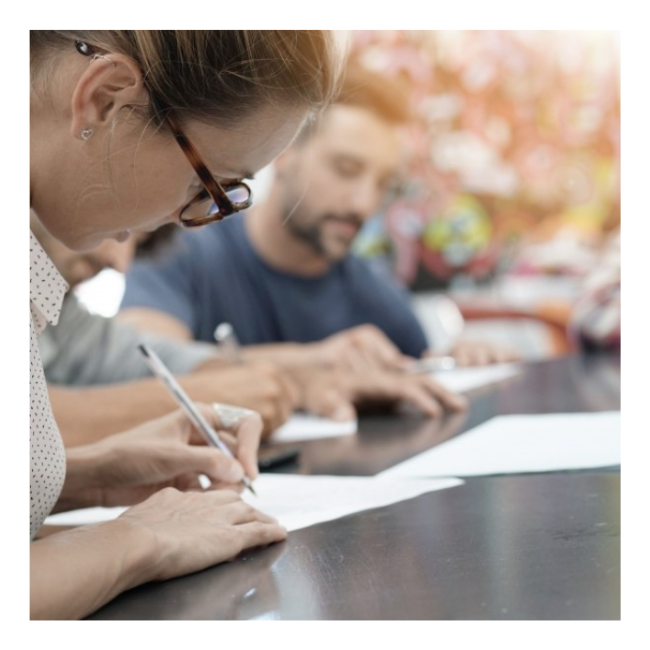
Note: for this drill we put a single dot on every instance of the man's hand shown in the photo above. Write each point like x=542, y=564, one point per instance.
x=360, y=349
x=336, y=393
x=263, y=387
x=480, y=353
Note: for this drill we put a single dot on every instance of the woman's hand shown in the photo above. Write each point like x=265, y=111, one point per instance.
x=170, y=534
x=126, y=468
x=195, y=530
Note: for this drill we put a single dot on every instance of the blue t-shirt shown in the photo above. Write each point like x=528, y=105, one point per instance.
x=214, y=275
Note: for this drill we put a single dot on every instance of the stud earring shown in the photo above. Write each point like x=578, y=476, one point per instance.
x=86, y=133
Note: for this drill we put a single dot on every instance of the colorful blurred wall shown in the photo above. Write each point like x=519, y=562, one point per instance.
x=514, y=154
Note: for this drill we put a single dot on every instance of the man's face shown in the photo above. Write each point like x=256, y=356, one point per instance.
x=78, y=267
x=335, y=181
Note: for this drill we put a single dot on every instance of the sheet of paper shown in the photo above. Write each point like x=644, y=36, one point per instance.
x=511, y=444
x=301, y=501
x=304, y=426
x=464, y=379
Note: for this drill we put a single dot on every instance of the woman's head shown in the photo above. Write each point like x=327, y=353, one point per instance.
x=103, y=157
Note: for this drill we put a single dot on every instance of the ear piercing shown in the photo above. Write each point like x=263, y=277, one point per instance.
x=86, y=133
x=89, y=50
x=101, y=56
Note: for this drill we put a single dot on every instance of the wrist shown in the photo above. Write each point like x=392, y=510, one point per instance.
x=134, y=550
x=85, y=476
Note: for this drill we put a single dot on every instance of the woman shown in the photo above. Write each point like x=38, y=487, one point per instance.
x=130, y=130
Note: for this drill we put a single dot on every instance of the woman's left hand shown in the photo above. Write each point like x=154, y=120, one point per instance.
x=126, y=468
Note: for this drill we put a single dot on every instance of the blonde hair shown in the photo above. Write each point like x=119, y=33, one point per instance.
x=215, y=76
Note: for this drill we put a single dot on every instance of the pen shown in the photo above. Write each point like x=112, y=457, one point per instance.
x=211, y=436
x=227, y=342
x=432, y=364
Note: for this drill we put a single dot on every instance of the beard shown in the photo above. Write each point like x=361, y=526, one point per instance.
x=310, y=233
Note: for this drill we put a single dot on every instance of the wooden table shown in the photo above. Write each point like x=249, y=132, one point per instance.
x=535, y=546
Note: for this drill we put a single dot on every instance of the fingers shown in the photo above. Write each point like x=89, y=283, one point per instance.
x=189, y=432
x=421, y=391
x=331, y=403
x=242, y=513
x=447, y=398
x=480, y=353
x=243, y=441
x=205, y=460
x=382, y=349
x=419, y=397
x=376, y=348
x=260, y=534
x=249, y=433
x=255, y=528
x=195, y=530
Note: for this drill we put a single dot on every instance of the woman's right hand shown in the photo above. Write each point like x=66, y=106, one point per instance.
x=190, y=531
x=126, y=468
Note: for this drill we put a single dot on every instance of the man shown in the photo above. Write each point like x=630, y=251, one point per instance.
x=283, y=271
x=98, y=383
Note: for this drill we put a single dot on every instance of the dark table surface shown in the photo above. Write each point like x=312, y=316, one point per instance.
x=529, y=546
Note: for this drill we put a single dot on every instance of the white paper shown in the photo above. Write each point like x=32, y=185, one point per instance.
x=460, y=380
x=301, y=501
x=303, y=426
x=512, y=444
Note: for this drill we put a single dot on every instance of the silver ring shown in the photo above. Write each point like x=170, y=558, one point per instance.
x=229, y=415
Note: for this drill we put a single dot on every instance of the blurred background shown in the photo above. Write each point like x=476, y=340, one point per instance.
x=510, y=201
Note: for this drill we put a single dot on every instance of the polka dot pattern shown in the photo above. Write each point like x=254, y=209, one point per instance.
x=47, y=289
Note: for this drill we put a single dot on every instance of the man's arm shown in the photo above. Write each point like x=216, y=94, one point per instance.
x=156, y=322
x=85, y=349
x=85, y=415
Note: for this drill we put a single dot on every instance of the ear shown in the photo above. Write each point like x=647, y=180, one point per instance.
x=104, y=88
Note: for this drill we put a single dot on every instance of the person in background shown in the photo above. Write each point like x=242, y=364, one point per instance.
x=291, y=253
x=595, y=323
x=130, y=130
x=90, y=363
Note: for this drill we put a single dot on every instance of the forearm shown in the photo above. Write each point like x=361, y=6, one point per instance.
x=90, y=414
x=87, y=415
x=73, y=573
x=84, y=481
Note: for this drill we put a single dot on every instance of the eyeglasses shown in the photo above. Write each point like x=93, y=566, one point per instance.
x=216, y=201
